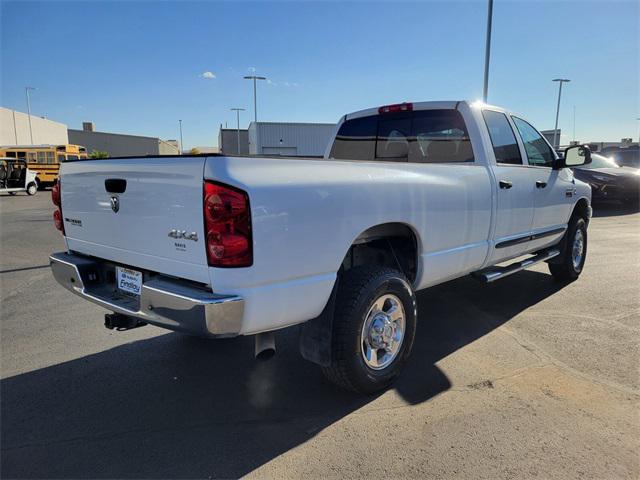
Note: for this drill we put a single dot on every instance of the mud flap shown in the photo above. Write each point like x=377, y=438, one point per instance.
x=316, y=334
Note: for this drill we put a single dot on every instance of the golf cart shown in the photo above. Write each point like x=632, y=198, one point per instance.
x=16, y=177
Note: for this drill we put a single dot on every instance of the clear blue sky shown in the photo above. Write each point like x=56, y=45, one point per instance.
x=136, y=67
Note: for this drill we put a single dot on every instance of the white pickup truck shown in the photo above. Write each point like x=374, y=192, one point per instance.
x=408, y=196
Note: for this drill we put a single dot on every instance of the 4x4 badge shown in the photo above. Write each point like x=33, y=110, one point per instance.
x=183, y=234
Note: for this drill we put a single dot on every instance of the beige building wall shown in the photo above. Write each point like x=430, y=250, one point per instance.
x=14, y=129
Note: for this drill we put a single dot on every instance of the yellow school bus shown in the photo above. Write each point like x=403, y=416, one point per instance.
x=44, y=159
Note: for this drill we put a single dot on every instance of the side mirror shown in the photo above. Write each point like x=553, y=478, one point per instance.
x=574, y=157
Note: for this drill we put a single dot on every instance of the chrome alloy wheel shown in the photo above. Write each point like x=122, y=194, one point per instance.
x=383, y=332
x=577, y=250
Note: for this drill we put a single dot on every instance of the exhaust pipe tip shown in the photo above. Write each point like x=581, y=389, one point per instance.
x=265, y=346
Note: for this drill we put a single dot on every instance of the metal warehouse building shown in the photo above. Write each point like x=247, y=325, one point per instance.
x=290, y=139
x=121, y=145
x=17, y=129
x=228, y=141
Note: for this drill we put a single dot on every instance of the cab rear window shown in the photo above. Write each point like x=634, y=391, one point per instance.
x=423, y=136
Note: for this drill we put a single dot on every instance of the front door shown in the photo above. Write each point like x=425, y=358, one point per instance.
x=553, y=189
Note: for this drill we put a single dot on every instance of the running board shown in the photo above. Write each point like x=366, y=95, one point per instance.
x=492, y=274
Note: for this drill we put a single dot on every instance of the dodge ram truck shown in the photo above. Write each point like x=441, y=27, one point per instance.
x=407, y=196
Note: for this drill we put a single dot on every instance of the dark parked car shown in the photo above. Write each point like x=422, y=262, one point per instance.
x=625, y=157
x=610, y=181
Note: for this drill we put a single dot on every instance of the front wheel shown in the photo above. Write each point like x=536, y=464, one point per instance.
x=570, y=265
x=32, y=189
x=373, y=329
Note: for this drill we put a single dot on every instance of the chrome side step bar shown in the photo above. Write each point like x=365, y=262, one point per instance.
x=492, y=274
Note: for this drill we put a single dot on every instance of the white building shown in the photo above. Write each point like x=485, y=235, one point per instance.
x=14, y=129
x=289, y=139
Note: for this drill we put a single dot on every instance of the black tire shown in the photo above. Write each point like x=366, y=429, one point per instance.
x=565, y=269
x=32, y=188
x=358, y=289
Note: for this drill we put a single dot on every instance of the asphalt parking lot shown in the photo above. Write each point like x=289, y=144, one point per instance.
x=520, y=379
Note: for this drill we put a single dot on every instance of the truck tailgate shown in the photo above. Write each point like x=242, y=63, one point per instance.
x=160, y=195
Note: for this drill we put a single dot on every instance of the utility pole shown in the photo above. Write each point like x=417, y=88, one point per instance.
x=555, y=130
x=181, y=144
x=255, y=102
x=487, y=52
x=238, y=110
x=574, y=123
x=27, y=89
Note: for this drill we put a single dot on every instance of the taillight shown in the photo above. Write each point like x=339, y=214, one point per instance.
x=398, y=107
x=227, y=219
x=57, y=201
x=55, y=194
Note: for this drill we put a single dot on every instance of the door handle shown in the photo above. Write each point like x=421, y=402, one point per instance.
x=504, y=184
x=540, y=184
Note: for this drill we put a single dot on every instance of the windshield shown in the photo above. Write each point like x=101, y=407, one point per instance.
x=600, y=161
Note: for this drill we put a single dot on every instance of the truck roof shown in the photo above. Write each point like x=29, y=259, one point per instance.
x=445, y=104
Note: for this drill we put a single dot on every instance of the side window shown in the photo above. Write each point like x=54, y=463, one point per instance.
x=440, y=136
x=356, y=139
x=505, y=146
x=60, y=158
x=538, y=151
x=394, y=135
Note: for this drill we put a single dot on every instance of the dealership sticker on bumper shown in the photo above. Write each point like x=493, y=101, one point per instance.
x=129, y=281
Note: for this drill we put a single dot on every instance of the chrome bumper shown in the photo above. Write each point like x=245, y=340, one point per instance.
x=163, y=301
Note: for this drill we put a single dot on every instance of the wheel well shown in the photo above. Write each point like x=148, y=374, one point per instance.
x=581, y=209
x=392, y=245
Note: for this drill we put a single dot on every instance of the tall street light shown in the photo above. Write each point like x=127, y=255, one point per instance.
x=255, y=103
x=181, y=144
x=238, y=110
x=487, y=52
x=27, y=90
x=555, y=130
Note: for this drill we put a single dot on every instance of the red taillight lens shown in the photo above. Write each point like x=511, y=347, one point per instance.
x=57, y=219
x=57, y=214
x=55, y=194
x=398, y=107
x=227, y=219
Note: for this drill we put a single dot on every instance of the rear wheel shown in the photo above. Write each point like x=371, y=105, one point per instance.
x=32, y=189
x=572, y=261
x=373, y=328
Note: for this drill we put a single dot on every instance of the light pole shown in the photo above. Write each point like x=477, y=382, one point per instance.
x=181, y=144
x=555, y=130
x=27, y=89
x=255, y=103
x=238, y=110
x=487, y=52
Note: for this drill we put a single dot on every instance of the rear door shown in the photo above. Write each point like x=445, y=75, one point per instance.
x=140, y=212
x=515, y=201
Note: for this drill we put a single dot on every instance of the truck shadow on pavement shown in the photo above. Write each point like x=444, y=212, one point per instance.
x=178, y=407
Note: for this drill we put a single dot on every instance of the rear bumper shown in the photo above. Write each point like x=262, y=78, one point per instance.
x=163, y=301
